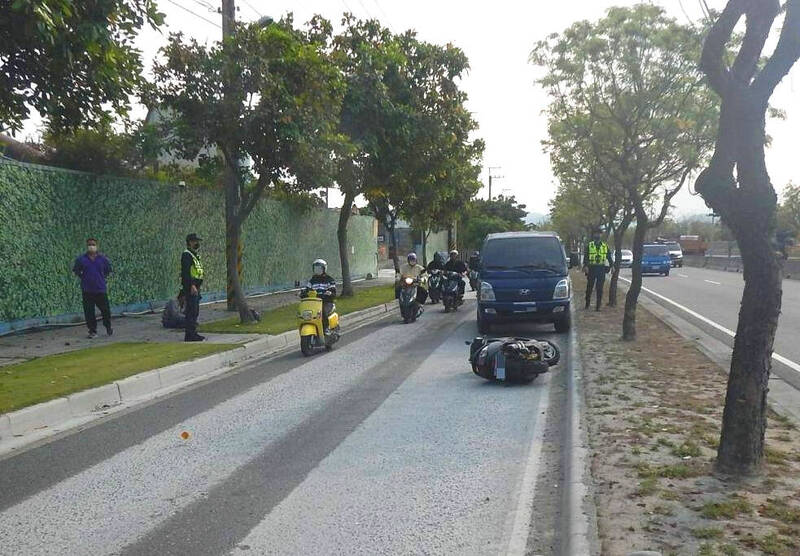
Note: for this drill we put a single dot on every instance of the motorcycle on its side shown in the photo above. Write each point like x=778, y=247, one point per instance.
x=313, y=336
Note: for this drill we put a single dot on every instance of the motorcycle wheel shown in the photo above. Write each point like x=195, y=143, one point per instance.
x=306, y=346
x=551, y=353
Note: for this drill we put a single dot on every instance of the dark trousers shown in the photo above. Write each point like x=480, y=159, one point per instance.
x=99, y=300
x=192, y=312
x=327, y=309
x=596, y=278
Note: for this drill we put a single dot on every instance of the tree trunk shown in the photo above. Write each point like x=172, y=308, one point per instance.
x=424, y=248
x=744, y=420
x=341, y=232
x=632, y=298
x=393, y=237
x=233, y=234
x=619, y=237
x=612, y=286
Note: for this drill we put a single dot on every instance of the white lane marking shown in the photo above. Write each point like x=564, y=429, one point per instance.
x=713, y=282
x=523, y=516
x=776, y=356
x=683, y=275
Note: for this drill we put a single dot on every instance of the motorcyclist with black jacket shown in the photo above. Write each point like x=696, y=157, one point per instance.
x=456, y=265
x=320, y=276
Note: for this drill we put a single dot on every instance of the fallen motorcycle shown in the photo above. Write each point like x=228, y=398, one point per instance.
x=511, y=359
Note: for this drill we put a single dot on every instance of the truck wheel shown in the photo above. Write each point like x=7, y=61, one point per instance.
x=563, y=325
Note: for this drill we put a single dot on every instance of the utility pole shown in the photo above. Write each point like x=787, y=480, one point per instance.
x=228, y=18
x=491, y=176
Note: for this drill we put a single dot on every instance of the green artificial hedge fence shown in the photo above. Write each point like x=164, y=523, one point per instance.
x=46, y=214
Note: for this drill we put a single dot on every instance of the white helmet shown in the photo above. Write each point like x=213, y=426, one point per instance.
x=412, y=257
x=454, y=253
x=319, y=266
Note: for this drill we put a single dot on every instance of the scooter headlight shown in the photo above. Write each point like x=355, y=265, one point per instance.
x=409, y=281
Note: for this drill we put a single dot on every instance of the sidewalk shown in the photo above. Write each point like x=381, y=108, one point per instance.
x=16, y=348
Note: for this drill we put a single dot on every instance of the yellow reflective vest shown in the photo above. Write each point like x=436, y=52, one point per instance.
x=196, y=271
x=598, y=254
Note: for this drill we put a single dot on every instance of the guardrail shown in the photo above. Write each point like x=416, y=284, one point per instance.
x=791, y=267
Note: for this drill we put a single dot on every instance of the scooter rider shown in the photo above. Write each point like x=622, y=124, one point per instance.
x=436, y=263
x=410, y=269
x=475, y=261
x=456, y=265
x=320, y=267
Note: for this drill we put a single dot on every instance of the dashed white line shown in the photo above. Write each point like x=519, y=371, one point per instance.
x=683, y=275
x=777, y=357
x=713, y=282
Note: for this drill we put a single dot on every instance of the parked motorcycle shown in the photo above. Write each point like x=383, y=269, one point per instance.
x=435, y=285
x=309, y=314
x=410, y=309
x=473, y=280
x=451, y=299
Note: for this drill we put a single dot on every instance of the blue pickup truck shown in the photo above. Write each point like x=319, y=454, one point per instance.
x=524, y=276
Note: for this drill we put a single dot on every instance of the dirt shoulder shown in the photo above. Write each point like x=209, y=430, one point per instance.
x=654, y=409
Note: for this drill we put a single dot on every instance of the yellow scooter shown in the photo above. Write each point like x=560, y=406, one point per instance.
x=309, y=316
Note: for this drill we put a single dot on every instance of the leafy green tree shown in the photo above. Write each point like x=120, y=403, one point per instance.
x=268, y=99
x=483, y=217
x=100, y=150
x=72, y=62
x=737, y=186
x=367, y=56
x=789, y=211
x=631, y=83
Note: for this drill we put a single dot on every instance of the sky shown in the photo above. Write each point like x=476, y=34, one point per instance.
x=497, y=37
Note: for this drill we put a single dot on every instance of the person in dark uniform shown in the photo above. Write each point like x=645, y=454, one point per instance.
x=436, y=263
x=454, y=264
x=191, y=281
x=320, y=276
x=597, y=262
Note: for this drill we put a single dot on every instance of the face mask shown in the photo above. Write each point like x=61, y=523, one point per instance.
x=91, y=248
x=196, y=246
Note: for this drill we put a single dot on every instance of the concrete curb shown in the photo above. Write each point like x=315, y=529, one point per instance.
x=95, y=402
x=581, y=513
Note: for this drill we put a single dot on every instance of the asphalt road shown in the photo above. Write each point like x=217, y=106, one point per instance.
x=716, y=295
x=387, y=445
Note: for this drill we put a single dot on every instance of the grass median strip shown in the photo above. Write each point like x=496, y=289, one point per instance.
x=284, y=318
x=654, y=453
x=46, y=378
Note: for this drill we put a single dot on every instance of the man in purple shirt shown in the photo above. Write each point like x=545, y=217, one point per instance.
x=93, y=268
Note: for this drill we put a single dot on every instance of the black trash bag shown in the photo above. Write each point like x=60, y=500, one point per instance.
x=524, y=358
x=172, y=316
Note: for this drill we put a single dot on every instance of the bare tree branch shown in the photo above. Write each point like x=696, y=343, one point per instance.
x=759, y=23
x=786, y=53
x=712, y=60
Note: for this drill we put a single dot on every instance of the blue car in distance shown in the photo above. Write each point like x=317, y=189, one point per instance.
x=656, y=259
x=523, y=277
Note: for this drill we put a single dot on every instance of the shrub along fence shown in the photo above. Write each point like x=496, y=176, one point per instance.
x=46, y=214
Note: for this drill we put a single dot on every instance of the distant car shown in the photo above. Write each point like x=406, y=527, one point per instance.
x=656, y=259
x=675, y=253
x=626, y=258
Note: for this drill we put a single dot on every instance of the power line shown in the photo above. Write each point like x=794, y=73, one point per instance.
x=365, y=9
x=388, y=19
x=184, y=8
x=249, y=5
x=689, y=19
x=206, y=5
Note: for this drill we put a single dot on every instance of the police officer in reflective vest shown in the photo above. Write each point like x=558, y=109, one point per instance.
x=596, y=263
x=191, y=281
